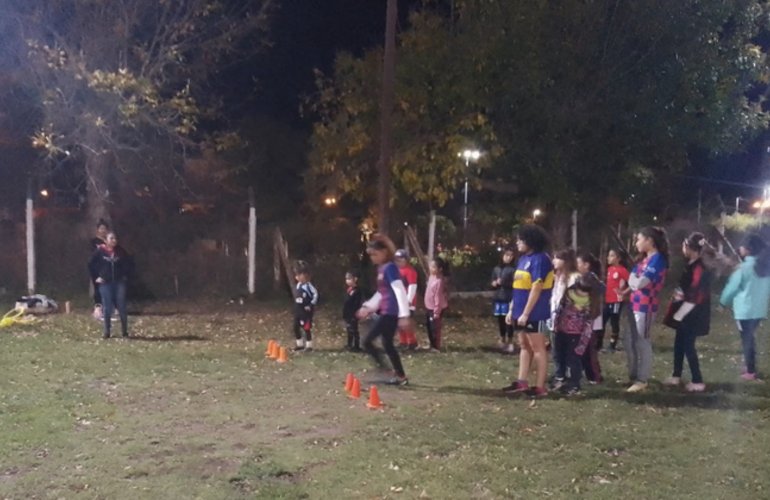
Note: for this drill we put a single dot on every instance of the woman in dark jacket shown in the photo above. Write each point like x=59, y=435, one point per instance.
x=110, y=267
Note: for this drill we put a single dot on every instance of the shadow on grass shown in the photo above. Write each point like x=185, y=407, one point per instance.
x=165, y=338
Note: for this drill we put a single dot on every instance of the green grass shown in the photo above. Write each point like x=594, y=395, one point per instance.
x=193, y=410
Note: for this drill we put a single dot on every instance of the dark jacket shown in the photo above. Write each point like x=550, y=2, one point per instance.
x=111, y=267
x=353, y=301
x=504, y=292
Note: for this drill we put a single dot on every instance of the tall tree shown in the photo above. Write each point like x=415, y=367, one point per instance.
x=113, y=77
x=573, y=99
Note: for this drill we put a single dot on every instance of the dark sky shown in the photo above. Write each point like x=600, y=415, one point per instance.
x=306, y=34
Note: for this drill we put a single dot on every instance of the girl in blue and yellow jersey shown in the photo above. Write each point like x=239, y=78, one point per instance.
x=531, y=307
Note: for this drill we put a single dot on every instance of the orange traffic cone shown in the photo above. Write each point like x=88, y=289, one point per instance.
x=270, y=348
x=355, y=391
x=282, y=355
x=276, y=351
x=374, y=399
x=349, y=382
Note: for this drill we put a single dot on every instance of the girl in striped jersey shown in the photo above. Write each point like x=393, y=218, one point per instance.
x=391, y=305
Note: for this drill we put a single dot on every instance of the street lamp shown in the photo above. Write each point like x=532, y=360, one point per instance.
x=537, y=213
x=469, y=155
x=330, y=201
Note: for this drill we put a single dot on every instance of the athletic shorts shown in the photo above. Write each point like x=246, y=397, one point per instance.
x=531, y=327
x=502, y=308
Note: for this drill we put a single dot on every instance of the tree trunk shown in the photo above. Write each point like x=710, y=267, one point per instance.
x=97, y=190
x=386, y=118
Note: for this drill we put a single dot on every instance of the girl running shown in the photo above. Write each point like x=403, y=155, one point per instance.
x=644, y=284
x=690, y=311
x=748, y=293
x=436, y=301
x=502, y=283
x=617, y=278
x=391, y=304
x=531, y=307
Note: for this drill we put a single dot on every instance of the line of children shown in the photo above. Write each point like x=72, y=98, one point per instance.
x=502, y=284
x=590, y=269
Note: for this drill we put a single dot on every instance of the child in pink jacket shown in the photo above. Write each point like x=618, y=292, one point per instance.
x=436, y=301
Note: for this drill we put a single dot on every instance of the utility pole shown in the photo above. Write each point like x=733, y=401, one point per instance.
x=386, y=117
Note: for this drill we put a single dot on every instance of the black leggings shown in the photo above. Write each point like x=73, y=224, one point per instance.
x=505, y=329
x=384, y=327
x=684, y=346
x=612, y=315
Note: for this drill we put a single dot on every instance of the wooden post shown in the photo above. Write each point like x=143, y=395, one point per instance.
x=574, y=230
x=277, y=250
x=432, y=235
x=252, y=241
x=417, y=250
x=31, y=277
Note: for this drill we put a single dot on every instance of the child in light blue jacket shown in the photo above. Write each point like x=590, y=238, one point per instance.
x=748, y=293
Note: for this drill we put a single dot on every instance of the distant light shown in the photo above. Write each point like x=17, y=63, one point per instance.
x=330, y=201
x=44, y=193
x=470, y=154
x=655, y=218
x=537, y=213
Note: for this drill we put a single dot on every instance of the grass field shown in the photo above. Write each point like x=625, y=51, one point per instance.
x=191, y=409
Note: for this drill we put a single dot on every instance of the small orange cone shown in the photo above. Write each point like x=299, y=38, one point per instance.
x=276, y=351
x=355, y=391
x=374, y=399
x=349, y=382
x=270, y=348
x=282, y=355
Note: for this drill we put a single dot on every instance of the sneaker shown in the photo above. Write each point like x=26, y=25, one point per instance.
x=510, y=349
x=106, y=336
x=518, y=386
x=356, y=349
x=412, y=347
x=637, y=387
x=673, y=382
x=692, y=387
x=433, y=350
x=125, y=335
x=537, y=392
x=399, y=381
x=571, y=391
x=299, y=348
x=749, y=376
x=557, y=384
x=307, y=349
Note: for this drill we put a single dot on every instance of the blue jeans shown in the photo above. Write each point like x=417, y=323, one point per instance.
x=114, y=296
x=747, y=327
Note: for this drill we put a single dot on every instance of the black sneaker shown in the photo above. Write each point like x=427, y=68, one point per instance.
x=518, y=386
x=537, y=392
x=299, y=348
x=307, y=349
x=399, y=381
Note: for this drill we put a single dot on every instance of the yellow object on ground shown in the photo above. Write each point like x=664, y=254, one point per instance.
x=17, y=317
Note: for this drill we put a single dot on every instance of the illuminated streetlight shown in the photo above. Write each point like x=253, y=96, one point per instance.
x=469, y=155
x=330, y=201
x=537, y=213
x=44, y=193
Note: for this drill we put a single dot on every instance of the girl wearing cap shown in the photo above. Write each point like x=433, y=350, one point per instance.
x=748, y=293
x=391, y=304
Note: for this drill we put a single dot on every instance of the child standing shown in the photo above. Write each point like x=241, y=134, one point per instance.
x=353, y=302
x=436, y=301
x=406, y=338
x=502, y=283
x=590, y=268
x=645, y=283
x=748, y=293
x=573, y=326
x=565, y=275
x=690, y=311
x=305, y=299
x=617, y=278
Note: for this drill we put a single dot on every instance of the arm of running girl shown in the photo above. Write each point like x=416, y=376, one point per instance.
x=403, y=303
x=369, y=306
x=534, y=295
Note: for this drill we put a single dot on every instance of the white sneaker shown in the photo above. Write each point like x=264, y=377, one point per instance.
x=692, y=387
x=673, y=382
x=637, y=387
x=510, y=348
